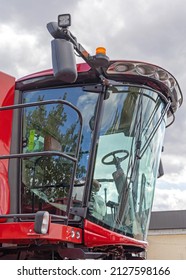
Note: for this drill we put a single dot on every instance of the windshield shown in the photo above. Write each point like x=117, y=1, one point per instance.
x=127, y=160
x=46, y=179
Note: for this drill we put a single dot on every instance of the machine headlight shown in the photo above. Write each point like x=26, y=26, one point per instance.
x=64, y=20
x=42, y=220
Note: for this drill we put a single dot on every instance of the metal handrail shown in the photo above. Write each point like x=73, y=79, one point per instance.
x=35, y=154
x=50, y=153
x=29, y=215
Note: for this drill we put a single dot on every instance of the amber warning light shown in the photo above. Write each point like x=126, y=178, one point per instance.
x=101, y=50
x=101, y=59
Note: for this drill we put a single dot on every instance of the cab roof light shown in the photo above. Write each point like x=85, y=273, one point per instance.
x=142, y=69
x=101, y=50
x=64, y=20
x=152, y=72
x=100, y=59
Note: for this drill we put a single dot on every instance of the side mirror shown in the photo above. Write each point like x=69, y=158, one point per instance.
x=63, y=60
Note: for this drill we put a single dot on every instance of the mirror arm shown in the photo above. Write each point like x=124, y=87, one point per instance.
x=95, y=62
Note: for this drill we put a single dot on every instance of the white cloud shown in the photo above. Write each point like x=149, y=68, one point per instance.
x=21, y=52
x=169, y=199
x=170, y=192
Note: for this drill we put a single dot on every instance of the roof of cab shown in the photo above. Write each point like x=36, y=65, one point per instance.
x=82, y=67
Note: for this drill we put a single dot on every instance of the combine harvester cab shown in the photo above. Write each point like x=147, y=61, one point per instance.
x=80, y=154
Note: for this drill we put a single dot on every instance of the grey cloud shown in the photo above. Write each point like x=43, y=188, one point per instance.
x=34, y=13
x=29, y=18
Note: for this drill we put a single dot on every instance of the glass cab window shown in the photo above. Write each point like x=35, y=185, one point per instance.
x=127, y=160
x=46, y=179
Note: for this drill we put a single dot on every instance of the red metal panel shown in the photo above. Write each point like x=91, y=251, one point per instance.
x=23, y=232
x=95, y=235
x=82, y=67
x=7, y=86
x=4, y=192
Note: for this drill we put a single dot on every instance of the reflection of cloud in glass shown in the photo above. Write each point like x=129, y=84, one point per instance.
x=107, y=144
x=111, y=191
x=112, y=106
x=86, y=104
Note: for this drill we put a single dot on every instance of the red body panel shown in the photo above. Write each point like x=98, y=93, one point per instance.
x=83, y=67
x=23, y=232
x=7, y=89
x=4, y=192
x=95, y=235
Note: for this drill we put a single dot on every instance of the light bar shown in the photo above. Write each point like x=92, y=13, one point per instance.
x=152, y=72
x=142, y=69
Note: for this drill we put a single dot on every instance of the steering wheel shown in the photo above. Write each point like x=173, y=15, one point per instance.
x=116, y=160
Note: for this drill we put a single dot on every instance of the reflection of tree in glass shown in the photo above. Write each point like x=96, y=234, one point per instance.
x=56, y=126
x=47, y=120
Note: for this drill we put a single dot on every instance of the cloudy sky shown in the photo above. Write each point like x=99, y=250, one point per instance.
x=153, y=31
